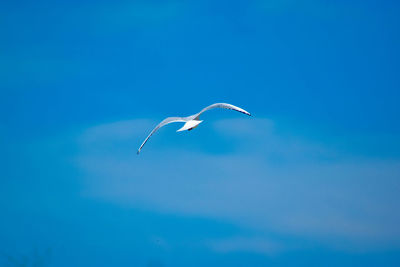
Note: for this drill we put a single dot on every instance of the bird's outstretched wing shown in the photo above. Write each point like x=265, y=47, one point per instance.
x=161, y=124
x=223, y=105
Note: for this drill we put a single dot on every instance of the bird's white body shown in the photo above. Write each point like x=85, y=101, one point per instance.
x=190, y=125
x=192, y=121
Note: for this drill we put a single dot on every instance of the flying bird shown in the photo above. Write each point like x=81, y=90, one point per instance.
x=191, y=121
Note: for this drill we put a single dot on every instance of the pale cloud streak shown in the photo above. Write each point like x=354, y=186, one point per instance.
x=346, y=203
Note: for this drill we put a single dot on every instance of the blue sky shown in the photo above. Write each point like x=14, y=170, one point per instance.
x=311, y=179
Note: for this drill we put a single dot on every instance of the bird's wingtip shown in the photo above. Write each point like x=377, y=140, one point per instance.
x=137, y=153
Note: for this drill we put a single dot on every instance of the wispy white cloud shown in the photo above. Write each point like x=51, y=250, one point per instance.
x=260, y=136
x=115, y=131
x=343, y=202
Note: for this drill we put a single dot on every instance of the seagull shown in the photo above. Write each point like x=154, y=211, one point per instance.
x=191, y=121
